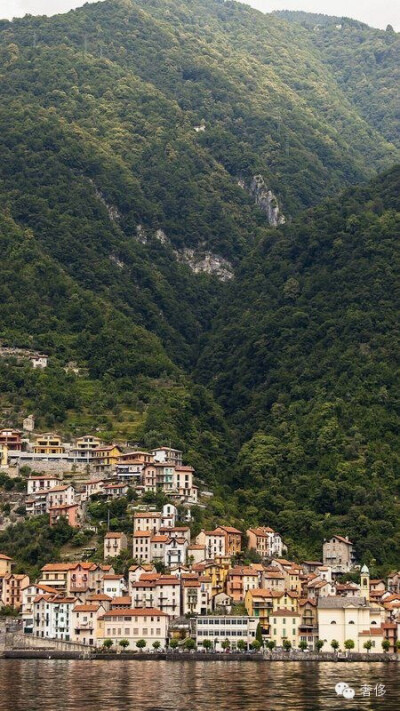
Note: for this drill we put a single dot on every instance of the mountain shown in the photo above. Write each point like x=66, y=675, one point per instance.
x=304, y=358
x=167, y=171
x=365, y=63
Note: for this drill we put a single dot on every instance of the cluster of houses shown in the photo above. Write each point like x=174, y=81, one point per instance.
x=112, y=474
x=201, y=592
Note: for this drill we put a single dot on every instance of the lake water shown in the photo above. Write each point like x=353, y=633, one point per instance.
x=42, y=685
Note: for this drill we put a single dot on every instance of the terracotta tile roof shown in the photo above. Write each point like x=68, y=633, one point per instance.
x=59, y=488
x=101, y=597
x=274, y=576
x=124, y=600
x=175, y=529
x=112, y=534
x=230, y=529
x=159, y=539
x=146, y=514
x=147, y=577
x=183, y=468
x=142, y=534
x=5, y=557
x=243, y=571
x=113, y=577
x=57, y=567
x=304, y=600
x=86, y=608
x=136, y=612
x=285, y=613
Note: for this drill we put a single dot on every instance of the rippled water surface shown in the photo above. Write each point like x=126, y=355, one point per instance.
x=42, y=685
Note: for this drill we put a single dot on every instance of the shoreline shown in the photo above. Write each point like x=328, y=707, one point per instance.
x=52, y=654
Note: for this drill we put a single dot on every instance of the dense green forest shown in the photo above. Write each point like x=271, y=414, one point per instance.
x=140, y=249
x=304, y=358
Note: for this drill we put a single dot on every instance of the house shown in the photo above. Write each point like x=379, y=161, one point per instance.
x=115, y=491
x=41, y=484
x=233, y=540
x=219, y=628
x=308, y=627
x=183, y=483
x=222, y=603
x=83, y=448
x=129, y=471
x=273, y=579
x=84, y=619
x=196, y=596
x=338, y=553
x=284, y=626
x=29, y=593
x=52, y=616
x=92, y=488
x=240, y=580
x=263, y=603
x=136, y=571
x=147, y=521
x=6, y=564
x=265, y=541
x=214, y=542
x=71, y=512
x=168, y=454
x=175, y=551
x=114, y=585
x=343, y=618
x=114, y=543
x=11, y=439
x=60, y=496
x=149, y=624
x=169, y=515
x=121, y=603
x=161, y=590
x=48, y=443
x=176, y=532
x=142, y=546
x=105, y=458
x=55, y=575
x=12, y=587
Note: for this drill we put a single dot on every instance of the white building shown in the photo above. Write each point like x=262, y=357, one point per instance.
x=29, y=593
x=114, y=543
x=114, y=585
x=60, y=496
x=84, y=619
x=52, y=616
x=197, y=596
x=227, y=627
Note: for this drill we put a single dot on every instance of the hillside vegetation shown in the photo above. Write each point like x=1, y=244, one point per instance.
x=137, y=243
x=305, y=360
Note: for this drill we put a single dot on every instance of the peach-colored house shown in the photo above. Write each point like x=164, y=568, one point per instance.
x=72, y=512
x=240, y=580
x=12, y=590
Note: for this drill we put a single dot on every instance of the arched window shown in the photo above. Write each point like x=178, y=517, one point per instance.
x=351, y=622
x=333, y=622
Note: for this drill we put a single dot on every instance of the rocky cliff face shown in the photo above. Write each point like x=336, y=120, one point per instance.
x=206, y=262
x=266, y=200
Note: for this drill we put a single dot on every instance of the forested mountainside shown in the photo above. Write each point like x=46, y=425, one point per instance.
x=365, y=62
x=305, y=360
x=150, y=154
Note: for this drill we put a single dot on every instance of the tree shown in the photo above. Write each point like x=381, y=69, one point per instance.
x=270, y=644
x=141, y=643
x=226, y=644
x=241, y=645
x=207, y=644
x=385, y=645
x=303, y=645
x=256, y=645
x=367, y=645
x=174, y=643
x=335, y=645
x=156, y=645
x=124, y=643
x=259, y=636
x=189, y=643
x=108, y=643
x=287, y=645
x=398, y=644
x=319, y=644
x=349, y=644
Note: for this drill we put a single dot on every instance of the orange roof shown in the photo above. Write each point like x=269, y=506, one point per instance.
x=4, y=557
x=142, y=534
x=59, y=488
x=112, y=534
x=57, y=567
x=285, y=613
x=243, y=571
x=146, y=514
x=100, y=597
x=343, y=540
x=136, y=612
x=159, y=539
x=124, y=600
x=113, y=577
x=230, y=529
x=86, y=608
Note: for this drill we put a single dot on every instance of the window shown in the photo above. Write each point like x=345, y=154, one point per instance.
x=333, y=622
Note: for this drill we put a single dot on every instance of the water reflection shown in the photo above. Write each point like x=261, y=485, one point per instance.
x=37, y=685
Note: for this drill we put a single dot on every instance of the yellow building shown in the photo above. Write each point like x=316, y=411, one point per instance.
x=284, y=626
x=218, y=572
x=106, y=457
x=262, y=604
x=48, y=443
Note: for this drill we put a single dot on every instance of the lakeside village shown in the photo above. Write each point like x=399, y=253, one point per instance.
x=180, y=593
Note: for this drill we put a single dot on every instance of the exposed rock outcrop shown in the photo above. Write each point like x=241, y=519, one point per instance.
x=266, y=200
